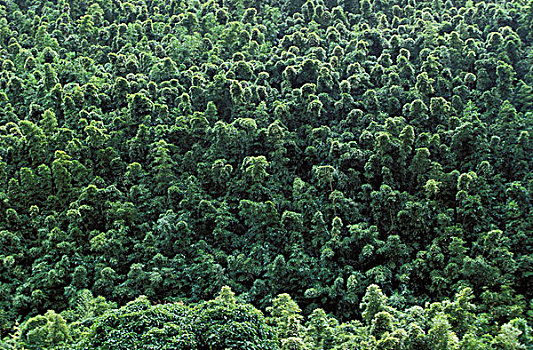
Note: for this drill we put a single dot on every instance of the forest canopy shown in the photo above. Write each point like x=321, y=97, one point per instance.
x=275, y=174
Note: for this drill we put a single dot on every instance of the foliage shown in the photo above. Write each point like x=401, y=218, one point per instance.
x=300, y=152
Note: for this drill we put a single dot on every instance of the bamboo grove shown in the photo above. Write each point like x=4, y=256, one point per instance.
x=247, y=174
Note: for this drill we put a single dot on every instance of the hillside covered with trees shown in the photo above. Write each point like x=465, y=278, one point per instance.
x=266, y=174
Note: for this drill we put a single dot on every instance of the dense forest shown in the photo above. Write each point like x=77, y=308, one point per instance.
x=266, y=174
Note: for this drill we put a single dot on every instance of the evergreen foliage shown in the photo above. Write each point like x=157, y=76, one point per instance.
x=359, y=173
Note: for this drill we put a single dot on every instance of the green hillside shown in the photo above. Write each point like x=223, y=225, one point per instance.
x=275, y=174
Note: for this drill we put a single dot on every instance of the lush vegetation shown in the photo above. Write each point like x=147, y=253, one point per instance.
x=225, y=323
x=360, y=171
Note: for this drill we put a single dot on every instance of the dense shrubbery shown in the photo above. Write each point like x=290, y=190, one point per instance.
x=225, y=323
x=315, y=148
